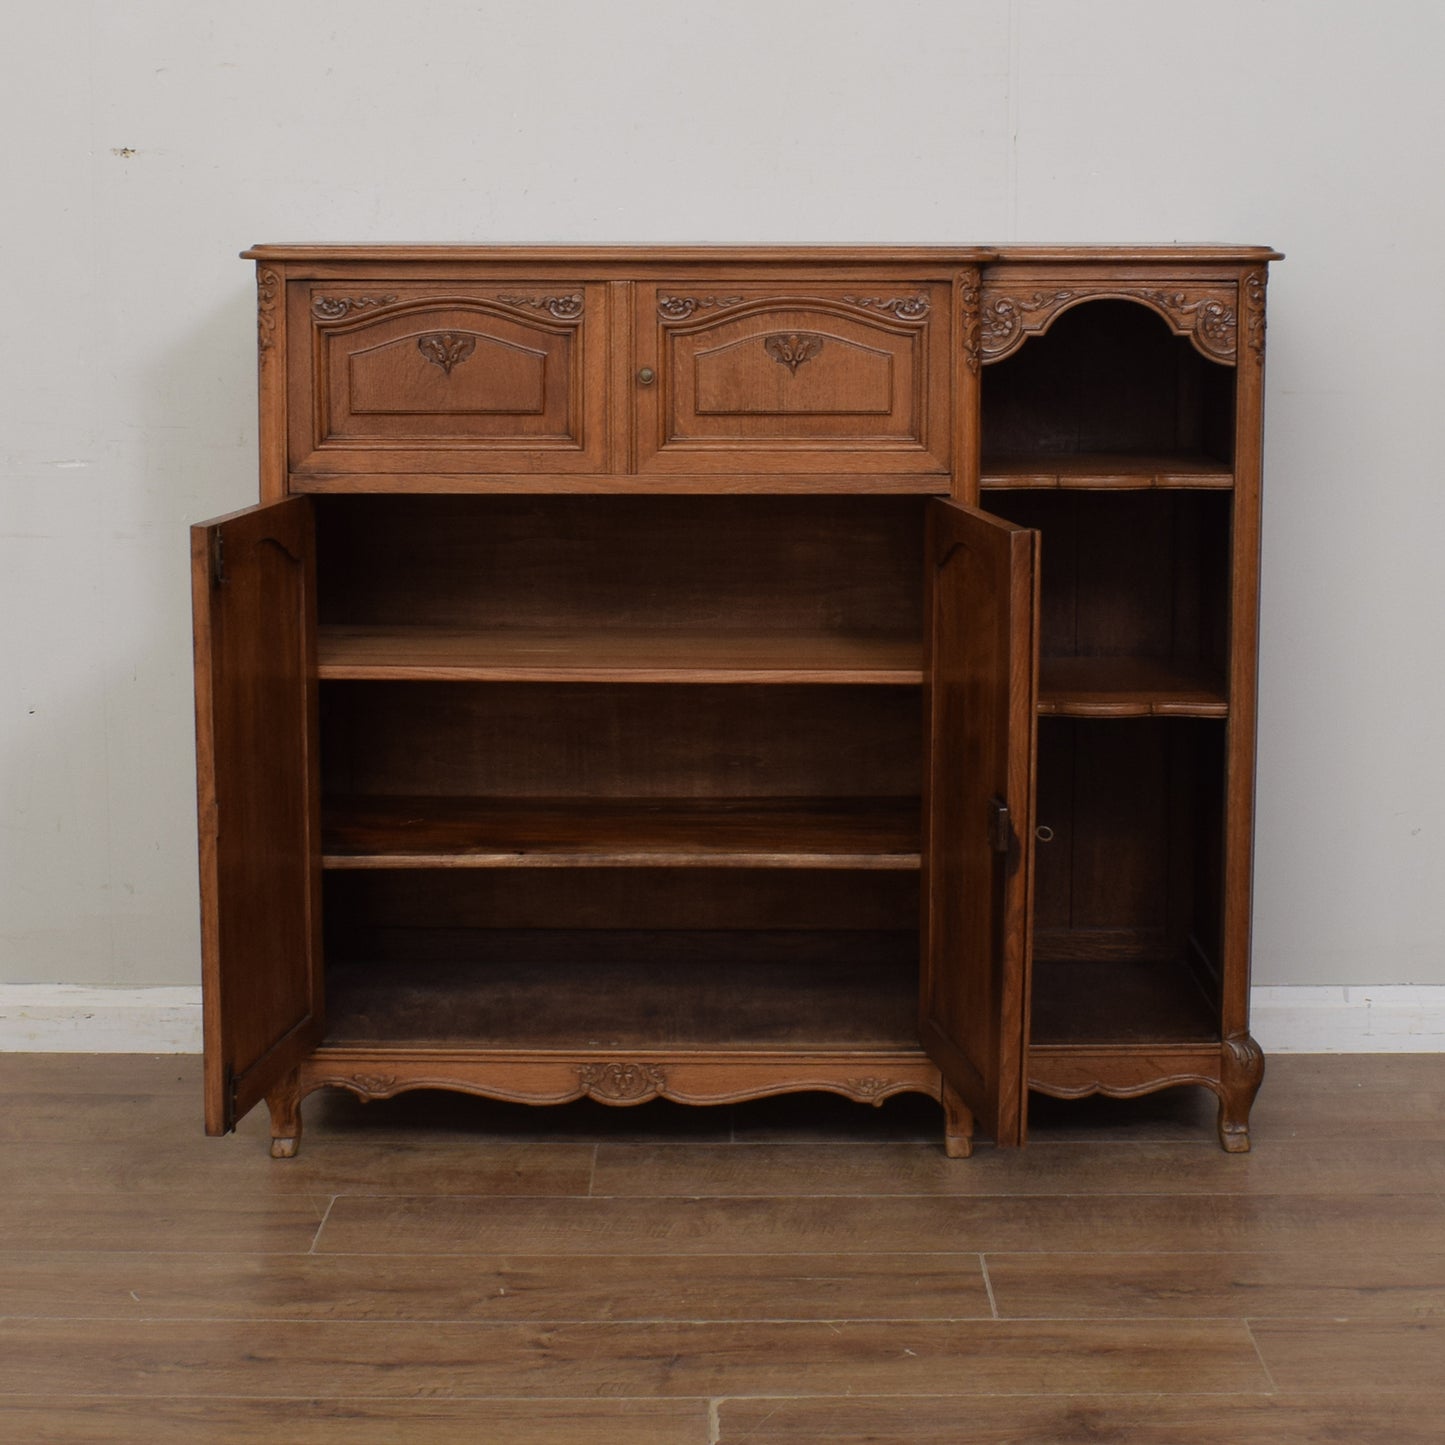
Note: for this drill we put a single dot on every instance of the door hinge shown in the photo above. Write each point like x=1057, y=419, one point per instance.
x=1000, y=826
x=218, y=557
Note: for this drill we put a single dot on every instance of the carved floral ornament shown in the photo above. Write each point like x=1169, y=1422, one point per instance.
x=564, y=308
x=905, y=308
x=334, y=308
x=1207, y=317
x=793, y=348
x=567, y=307
x=679, y=308
x=446, y=349
x=621, y=1083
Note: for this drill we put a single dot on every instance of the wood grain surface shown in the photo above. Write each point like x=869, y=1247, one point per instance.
x=791, y=1270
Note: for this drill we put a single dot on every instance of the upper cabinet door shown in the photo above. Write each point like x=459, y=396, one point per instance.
x=980, y=688
x=255, y=629
x=445, y=377
x=800, y=377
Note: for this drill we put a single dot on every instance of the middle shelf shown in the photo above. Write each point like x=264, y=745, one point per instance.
x=1069, y=686
x=430, y=832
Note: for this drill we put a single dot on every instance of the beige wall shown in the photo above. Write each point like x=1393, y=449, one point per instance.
x=147, y=142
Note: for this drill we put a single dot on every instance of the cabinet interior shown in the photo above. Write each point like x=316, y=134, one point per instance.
x=635, y=958
x=1134, y=597
x=710, y=840
x=1127, y=882
x=1108, y=386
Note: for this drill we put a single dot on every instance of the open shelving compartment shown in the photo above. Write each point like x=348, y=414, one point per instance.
x=1128, y=887
x=637, y=772
x=1108, y=397
x=1114, y=437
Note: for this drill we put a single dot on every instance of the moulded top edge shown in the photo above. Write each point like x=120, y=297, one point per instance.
x=957, y=255
x=1160, y=252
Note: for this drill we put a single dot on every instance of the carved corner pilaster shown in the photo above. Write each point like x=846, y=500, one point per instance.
x=268, y=294
x=970, y=323
x=1254, y=282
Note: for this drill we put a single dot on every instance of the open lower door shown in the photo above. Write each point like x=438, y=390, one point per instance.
x=980, y=690
x=255, y=629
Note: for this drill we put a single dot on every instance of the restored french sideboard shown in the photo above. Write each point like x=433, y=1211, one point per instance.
x=703, y=674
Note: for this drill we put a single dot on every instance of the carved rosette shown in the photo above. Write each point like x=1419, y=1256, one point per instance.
x=621, y=1083
x=564, y=308
x=446, y=349
x=679, y=308
x=268, y=292
x=335, y=308
x=1254, y=315
x=871, y=1088
x=371, y=1085
x=793, y=349
x=970, y=323
x=1006, y=320
x=905, y=308
x=1207, y=317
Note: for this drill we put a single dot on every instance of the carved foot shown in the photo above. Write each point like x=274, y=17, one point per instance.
x=957, y=1125
x=1241, y=1072
x=284, y=1102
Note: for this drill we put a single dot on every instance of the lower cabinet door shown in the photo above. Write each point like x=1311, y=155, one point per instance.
x=980, y=692
x=253, y=578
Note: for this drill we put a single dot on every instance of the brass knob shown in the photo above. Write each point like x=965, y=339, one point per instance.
x=646, y=376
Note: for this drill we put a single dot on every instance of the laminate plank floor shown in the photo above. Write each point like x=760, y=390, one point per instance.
x=438, y=1268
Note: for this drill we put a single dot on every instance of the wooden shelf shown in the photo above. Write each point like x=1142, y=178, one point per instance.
x=434, y=654
x=1106, y=471
x=1140, y=1002
x=848, y=833
x=1128, y=687
x=570, y=989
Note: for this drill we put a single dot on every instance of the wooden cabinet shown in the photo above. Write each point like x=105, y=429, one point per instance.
x=709, y=674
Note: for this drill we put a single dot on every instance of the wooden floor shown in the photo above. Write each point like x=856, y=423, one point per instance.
x=803, y=1270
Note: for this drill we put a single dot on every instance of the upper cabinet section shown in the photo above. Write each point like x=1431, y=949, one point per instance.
x=403, y=377
x=755, y=369
x=795, y=376
x=562, y=369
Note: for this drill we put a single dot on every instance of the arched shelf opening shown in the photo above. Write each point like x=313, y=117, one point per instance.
x=1108, y=396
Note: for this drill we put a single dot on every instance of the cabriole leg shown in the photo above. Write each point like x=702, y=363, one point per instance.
x=1241, y=1072
x=284, y=1102
x=957, y=1124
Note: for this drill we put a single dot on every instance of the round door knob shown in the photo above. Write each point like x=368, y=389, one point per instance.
x=646, y=376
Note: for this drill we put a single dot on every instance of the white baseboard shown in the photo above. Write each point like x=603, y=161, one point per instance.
x=47, y=1018
x=1359, y=1019
x=63, y=1018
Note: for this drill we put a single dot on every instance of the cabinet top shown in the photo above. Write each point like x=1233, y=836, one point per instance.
x=681, y=255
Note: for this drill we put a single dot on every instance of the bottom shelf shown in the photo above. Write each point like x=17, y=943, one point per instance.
x=602, y=989
x=1141, y=1002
